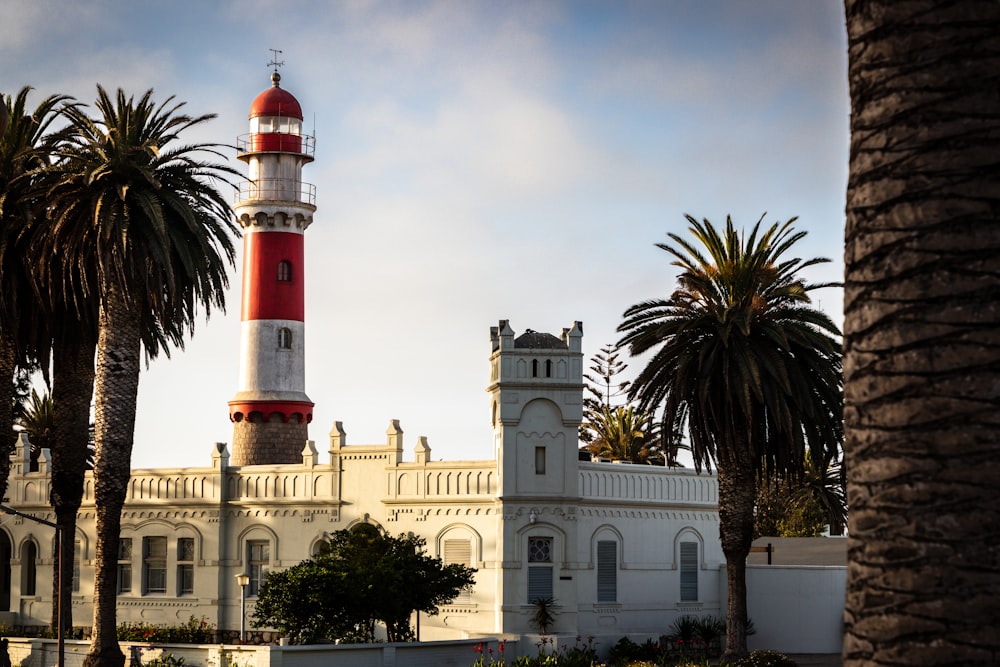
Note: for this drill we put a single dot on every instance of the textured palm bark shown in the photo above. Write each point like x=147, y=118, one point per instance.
x=8, y=362
x=737, y=492
x=922, y=333
x=72, y=389
x=116, y=387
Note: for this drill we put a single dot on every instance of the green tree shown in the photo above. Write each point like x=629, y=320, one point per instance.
x=361, y=577
x=803, y=506
x=145, y=213
x=602, y=383
x=25, y=146
x=747, y=366
x=921, y=333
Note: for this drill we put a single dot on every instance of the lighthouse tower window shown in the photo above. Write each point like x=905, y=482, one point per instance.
x=285, y=338
x=284, y=271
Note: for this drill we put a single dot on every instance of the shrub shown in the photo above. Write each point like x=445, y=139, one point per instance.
x=545, y=614
x=195, y=631
x=766, y=659
x=627, y=653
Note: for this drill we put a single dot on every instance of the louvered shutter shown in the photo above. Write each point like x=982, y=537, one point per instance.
x=689, y=571
x=459, y=552
x=607, y=571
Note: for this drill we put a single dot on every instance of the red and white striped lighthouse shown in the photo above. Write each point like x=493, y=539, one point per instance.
x=270, y=411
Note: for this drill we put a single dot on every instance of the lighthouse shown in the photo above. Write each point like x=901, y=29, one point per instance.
x=271, y=411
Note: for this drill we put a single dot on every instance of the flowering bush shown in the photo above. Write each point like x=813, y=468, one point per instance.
x=766, y=659
x=195, y=631
x=582, y=654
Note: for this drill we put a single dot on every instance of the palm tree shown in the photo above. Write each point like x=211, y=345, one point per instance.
x=747, y=366
x=621, y=434
x=921, y=332
x=146, y=214
x=37, y=421
x=24, y=147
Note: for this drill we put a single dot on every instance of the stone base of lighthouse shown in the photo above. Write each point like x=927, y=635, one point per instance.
x=260, y=442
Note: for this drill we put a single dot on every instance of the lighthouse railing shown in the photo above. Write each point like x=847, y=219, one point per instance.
x=279, y=142
x=276, y=189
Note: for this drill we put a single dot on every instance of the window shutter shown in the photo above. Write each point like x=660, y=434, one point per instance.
x=689, y=571
x=607, y=571
x=539, y=583
x=459, y=552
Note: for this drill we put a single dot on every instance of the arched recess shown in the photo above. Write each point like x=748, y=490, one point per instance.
x=688, y=534
x=460, y=544
x=29, y=567
x=457, y=531
x=689, y=560
x=366, y=519
x=258, y=549
x=541, y=528
x=540, y=415
x=606, y=532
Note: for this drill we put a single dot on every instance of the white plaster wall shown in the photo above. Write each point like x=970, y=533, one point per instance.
x=795, y=608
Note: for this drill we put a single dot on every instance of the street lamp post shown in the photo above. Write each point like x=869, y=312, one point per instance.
x=243, y=580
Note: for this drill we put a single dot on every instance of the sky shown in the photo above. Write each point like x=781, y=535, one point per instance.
x=475, y=161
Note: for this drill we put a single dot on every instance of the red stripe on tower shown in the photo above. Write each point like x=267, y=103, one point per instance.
x=271, y=411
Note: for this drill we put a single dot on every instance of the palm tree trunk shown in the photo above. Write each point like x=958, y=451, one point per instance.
x=72, y=389
x=737, y=491
x=922, y=333
x=8, y=363
x=116, y=388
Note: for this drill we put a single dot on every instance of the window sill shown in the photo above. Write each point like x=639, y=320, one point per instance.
x=690, y=606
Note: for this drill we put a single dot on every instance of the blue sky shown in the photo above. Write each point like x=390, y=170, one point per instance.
x=475, y=161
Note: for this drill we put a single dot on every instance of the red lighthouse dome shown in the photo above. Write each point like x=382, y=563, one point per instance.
x=276, y=102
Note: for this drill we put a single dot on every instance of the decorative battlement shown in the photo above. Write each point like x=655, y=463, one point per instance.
x=536, y=357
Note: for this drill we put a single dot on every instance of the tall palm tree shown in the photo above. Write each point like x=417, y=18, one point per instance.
x=25, y=146
x=750, y=369
x=922, y=333
x=148, y=215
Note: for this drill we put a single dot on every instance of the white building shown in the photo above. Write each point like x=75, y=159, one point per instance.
x=621, y=548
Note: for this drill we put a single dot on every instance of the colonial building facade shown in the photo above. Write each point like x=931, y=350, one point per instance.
x=620, y=548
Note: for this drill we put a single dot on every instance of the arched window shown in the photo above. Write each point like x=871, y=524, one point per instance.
x=548, y=368
x=539, y=568
x=534, y=368
x=29, y=554
x=285, y=338
x=284, y=271
x=258, y=560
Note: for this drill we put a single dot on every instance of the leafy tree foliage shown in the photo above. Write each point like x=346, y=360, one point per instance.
x=803, y=506
x=360, y=578
x=603, y=386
